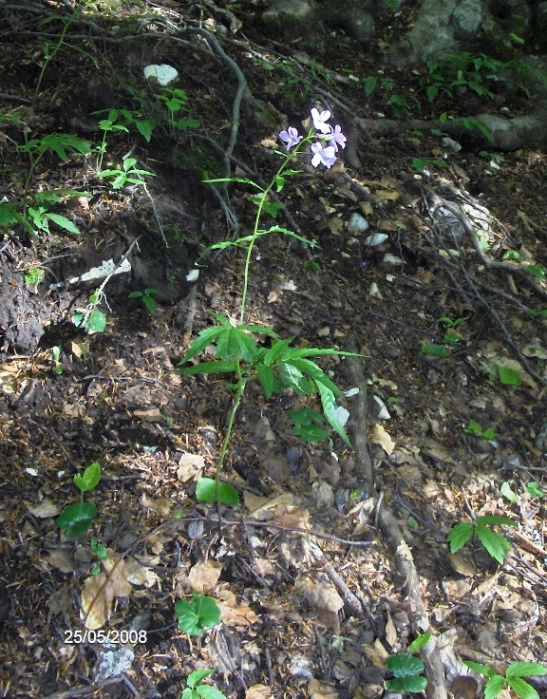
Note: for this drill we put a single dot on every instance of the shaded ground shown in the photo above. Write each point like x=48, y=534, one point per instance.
x=120, y=401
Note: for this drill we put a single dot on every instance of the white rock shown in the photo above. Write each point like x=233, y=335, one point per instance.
x=357, y=223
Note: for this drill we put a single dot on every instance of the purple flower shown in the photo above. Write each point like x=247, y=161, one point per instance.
x=320, y=119
x=324, y=155
x=337, y=138
x=290, y=137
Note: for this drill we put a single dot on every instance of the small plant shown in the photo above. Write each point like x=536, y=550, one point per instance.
x=407, y=669
x=101, y=552
x=62, y=144
x=147, y=297
x=493, y=542
x=512, y=679
x=33, y=276
x=475, y=428
x=56, y=354
x=129, y=174
x=76, y=518
x=92, y=319
x=199, y=614
x=197, y=690
x=175, y=100
x=279, y=366
x=35, y=215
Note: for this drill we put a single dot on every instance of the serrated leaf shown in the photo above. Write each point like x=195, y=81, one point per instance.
x=459, y=535
x=210, y=490
x=63, y=222
x=145, y=130
x=267, y=380
x=89, y=478
x=526, y=670
x=213, y=367
x=277, y=351
x=480, y=669
x=493, y=687
x=330, y=410
x=234, y=344
x=291, y=377
x=197, y=676
x=204, y=339
x=306, y=366
x=76, y=519
x=496, y=519
x=522, y=688
x=496, y=544
x=311, y=432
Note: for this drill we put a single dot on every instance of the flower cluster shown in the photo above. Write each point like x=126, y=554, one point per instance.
x=324, y=149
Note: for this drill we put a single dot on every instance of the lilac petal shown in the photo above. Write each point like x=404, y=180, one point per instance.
x=320, y=119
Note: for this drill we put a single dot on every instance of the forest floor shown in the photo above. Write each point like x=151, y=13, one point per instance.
x=454, y=349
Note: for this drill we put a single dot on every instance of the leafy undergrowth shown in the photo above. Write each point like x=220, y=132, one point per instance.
x=273, y=580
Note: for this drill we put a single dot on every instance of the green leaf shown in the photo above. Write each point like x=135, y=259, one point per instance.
x=496, y=519
x=538, y=271
x=496, y=544
x=291, y=377
x=267, y=380
x=407, y=684
x=311, y=432
x=145, y=129
x=96, y=322
x=76, y=519
x=204, y=339
x=370, y=84
x=493, y=687
x=277, y=351
x=508, y=377
x=480, y=669
x=188, y=694
x=89, y=478
x=234, y=344
x=535, y=489
x=63, y=222
x=150, y=303
x=473, y=427
x=525, y=670
x=419, y=642
x=206, y=691
x=209, y=368
x=404, y=665
x=197, y=677
x=459, y=535
x=207, y=489
x=195, y=616
x=522, y=688
x=507, y=492
x=434, y=350
x=329, y=408
x=306, y=366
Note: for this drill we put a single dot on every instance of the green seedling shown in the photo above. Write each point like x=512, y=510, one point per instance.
x=535, y=490
x=507, y=492
x=128, y=175
x=63, y=145
x=493, y=542
x=101, y=552
x=92, y=320
x=508, y=376
x=77, y=518
x=56, y=354
x=147, y=297
x=36, y=215
x=175, y=100
x=475, y=428
x=434, y=350
x=512, y=679
x=406, y=669
x=197, y=690
x=199, y=614
x=538, y=271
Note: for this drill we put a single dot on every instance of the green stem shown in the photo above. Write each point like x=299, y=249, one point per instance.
x=241, y=385
x=254, y=236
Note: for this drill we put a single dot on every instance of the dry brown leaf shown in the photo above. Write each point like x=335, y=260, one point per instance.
x=324, y=598
x=233, y=614
x=99, y=591
x=391, y=631
x=190, y=467
x=292, y=516
x=321, y=690
x=462, y=563
x=258, y=691
x=203, y=577
x=264, y=566
x=149, y=415
x=160, y=505
x=43, y=510
x=61, y=560
x=379, y=435
x=376, y=653
x=263, y=508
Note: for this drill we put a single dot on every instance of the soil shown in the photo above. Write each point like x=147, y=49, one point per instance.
x=69, y=398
